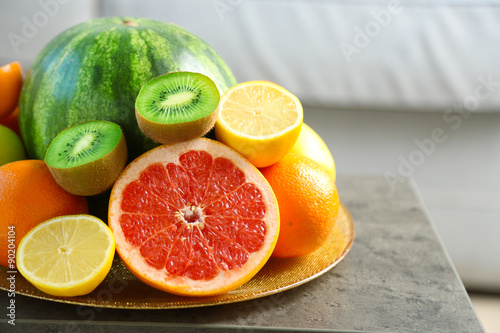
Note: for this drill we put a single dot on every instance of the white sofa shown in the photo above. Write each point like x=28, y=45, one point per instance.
x=408, y=90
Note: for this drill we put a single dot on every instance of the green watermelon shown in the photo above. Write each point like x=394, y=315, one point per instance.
x=94, y=71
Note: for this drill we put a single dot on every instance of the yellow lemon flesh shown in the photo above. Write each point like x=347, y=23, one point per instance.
x=259, y=119
x=67, y=255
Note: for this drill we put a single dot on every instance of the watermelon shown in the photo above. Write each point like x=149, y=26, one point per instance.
x=94, y=71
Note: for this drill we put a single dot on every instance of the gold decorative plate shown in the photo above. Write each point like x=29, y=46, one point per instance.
x=122, y=290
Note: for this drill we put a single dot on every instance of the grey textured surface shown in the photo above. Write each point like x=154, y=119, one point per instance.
x=396, y=278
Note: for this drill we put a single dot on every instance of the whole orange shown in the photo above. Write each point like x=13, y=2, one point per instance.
x=308, y=202
x=29, y=195
x=11, y=80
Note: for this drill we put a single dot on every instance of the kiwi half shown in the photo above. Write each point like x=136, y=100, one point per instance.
x=86, y=159
x=177, y=106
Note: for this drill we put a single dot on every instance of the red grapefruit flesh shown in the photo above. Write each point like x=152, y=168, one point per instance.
x=193, y=218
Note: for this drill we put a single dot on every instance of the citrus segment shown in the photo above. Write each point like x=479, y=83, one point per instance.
x=67, y=255
x=308, y=201
x=193, y=218
x=311, y=145
x=11, y=80
x=259, y=119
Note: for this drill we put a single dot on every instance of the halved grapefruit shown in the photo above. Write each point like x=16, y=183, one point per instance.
x=193, y=218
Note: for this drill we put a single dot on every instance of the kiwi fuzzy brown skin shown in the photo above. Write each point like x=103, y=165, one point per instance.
x=173, y=133
x=94, y=177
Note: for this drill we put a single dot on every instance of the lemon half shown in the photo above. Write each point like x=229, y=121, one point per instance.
x=259, y=119
x=67, y=255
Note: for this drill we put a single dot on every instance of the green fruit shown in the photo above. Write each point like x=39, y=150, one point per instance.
x=86, y=159
x=95, y=70
x=11, y=146
x=177, y=107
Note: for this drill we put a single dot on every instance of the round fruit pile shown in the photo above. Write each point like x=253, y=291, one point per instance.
x=188, y=214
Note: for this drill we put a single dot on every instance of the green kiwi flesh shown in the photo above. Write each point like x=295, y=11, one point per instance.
x=86, y=159
x=177, y=106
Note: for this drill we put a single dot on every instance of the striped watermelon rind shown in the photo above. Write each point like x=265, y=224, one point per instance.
x=94, y=71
